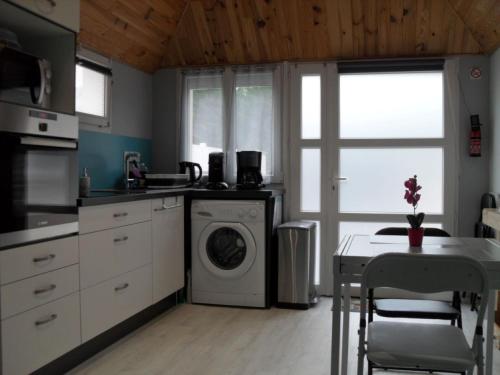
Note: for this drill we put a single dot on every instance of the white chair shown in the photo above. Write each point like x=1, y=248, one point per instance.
x=420, y=346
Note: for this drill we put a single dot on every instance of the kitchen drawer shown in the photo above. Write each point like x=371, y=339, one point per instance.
x=109, y=253
x=32, y=339
x=109, y=303
x=108, y=216
x=38, y=290
x=22, y=262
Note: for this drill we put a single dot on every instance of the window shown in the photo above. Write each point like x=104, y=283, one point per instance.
x=204, y=131
x=92, y=93
x=237, y=119
x=391, y=126
x=391, y=105
x=253, y=116
x=311, y=107
x=376, y=175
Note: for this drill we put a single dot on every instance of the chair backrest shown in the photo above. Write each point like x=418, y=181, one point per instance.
x=395, y=231
x=426, y=273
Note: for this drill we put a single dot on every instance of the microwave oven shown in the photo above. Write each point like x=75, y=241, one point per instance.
x=24, y=79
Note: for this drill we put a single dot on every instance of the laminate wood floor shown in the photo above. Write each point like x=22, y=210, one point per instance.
x=210, y=340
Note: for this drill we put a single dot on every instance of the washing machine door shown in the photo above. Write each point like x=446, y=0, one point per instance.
x=227, y=250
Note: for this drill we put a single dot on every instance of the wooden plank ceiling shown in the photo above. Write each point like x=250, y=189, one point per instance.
x=151, y=34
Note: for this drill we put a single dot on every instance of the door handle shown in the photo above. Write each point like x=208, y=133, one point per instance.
x=46, y=320
x=338, y=179
x=44, y=290
x=162, y=208
x=122, y=214
x=121, y=239
x=44, y=258
x=121, y=287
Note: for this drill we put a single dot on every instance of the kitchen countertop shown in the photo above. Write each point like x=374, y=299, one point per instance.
x=116, y=196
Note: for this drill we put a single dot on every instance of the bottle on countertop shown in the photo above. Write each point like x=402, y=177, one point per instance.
x=85, y=184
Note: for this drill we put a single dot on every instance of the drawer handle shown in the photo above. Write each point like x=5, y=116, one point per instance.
x=44, y=258
x=120, y=214
x=46, y=320
x=44, y=290
x=121, y=287
x=162, y=208
x=121, y=239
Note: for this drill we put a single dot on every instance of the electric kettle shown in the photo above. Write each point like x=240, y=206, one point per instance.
x=187, y=165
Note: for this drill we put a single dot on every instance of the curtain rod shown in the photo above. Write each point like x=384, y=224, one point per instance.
x=221, y=68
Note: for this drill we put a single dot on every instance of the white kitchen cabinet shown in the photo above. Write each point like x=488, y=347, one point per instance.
x=65, y=12
x=35, y=291
x=107, y=216
x=168, y=246
x=38, y=336
x=109, y=253
x=109, y=303
x=26, y=261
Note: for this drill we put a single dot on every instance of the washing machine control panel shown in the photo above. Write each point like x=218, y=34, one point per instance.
x=228, y=210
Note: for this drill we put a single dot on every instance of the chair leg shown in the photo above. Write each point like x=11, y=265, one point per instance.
x=370, y=368
x=473, y=301
x=457, y=303
x=370, y=305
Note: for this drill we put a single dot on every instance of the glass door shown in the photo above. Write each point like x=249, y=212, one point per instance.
x=391, y=128
x=354, y=139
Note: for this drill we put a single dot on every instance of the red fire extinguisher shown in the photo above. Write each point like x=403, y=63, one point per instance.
x=475, y=136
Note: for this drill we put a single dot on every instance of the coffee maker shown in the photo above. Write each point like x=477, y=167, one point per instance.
x=216, y=171
x=248, y=174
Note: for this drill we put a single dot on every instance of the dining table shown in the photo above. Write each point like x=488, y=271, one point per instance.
x=355, y=251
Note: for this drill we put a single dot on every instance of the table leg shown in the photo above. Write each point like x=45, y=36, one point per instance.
x=490, y=331
x=345, y=328
x=336, y=309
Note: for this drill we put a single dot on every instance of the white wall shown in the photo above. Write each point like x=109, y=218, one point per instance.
x=495, y=121
x=474, y=171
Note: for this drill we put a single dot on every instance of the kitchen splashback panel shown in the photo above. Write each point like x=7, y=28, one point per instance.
x=102, y=154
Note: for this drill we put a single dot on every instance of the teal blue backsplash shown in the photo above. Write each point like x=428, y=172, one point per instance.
x=102, y=155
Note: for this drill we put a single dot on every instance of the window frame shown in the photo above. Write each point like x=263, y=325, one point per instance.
x=87, y=119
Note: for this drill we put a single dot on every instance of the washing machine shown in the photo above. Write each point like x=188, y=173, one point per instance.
x=228, y=252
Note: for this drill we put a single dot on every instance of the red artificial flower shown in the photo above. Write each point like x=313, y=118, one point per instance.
x=412, y=197
x=412, y=188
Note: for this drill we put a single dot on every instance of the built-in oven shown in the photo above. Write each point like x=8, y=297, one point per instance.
x=39, y=164
x=24, y=79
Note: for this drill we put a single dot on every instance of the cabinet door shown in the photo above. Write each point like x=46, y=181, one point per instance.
x=109, y=253
x=168, y=247
x=38, y=336
x=106, y=304
x=66, y=12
